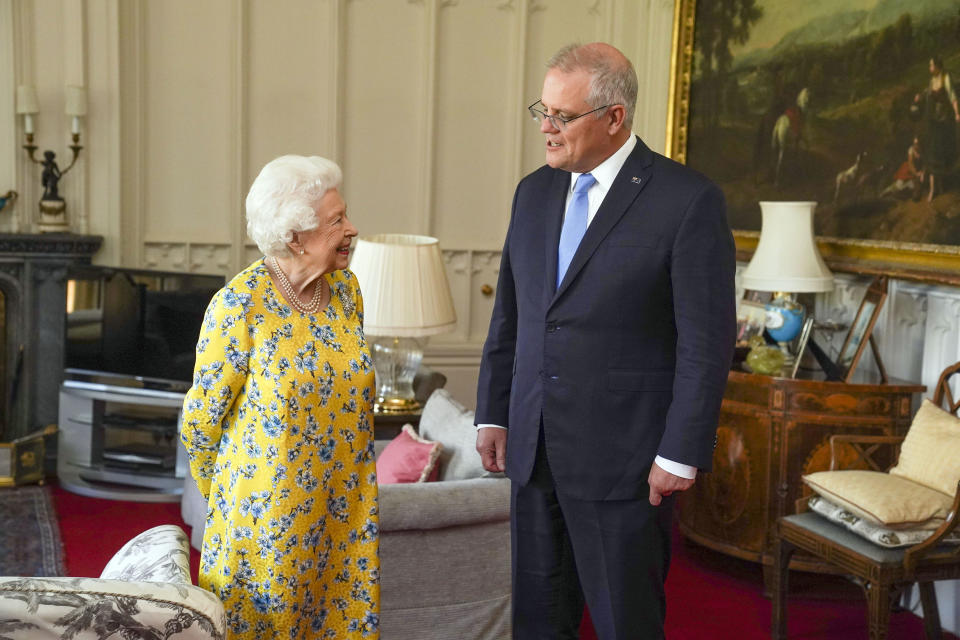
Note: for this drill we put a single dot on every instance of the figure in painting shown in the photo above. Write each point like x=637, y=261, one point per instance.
x=937, y=105
x=788, y=131
x=909, y=176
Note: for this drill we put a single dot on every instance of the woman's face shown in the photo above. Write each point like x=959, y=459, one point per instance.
x=328, y=245
x=933, y=67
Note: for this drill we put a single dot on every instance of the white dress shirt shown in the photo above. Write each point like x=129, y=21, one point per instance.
x=604, y=174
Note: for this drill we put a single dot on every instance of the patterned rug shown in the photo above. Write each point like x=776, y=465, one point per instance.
x=29, y=534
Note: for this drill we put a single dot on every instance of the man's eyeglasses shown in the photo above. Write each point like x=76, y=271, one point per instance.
x=557, y=122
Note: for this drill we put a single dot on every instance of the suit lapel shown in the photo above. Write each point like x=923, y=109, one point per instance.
x=556, y=200
x=633, y=177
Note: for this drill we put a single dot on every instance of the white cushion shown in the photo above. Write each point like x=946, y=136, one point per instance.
x=448, y=422
x=876, y=534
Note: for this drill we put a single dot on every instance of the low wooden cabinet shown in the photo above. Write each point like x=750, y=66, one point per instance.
x=771, y=432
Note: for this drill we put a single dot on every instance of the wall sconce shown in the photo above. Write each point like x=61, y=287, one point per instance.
x=53, y=209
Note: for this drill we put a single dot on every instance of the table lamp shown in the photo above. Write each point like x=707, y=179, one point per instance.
x=787, y=262
x=406, y=298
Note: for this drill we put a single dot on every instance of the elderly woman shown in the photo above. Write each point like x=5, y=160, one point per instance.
x=278, y=423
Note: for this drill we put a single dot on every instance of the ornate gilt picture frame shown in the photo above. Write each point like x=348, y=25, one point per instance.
x=856, y=119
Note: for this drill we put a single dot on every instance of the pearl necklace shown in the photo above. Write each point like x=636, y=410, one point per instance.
x=291, y=294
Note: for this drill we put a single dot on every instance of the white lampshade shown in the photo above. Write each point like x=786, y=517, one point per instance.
x=404, y=285
x=27, y=99
x=76, y=98
x=787, y=258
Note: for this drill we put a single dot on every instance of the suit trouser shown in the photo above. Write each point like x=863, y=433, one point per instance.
x=615, y=554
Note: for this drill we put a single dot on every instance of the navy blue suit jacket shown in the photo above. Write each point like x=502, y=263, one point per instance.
x=628, y=358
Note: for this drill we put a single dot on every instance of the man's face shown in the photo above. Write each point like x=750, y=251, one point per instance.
x=584, y=143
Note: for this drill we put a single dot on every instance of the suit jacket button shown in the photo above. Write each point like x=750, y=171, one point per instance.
x=551, y=327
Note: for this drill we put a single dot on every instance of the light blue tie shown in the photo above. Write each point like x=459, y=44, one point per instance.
x=574, y=224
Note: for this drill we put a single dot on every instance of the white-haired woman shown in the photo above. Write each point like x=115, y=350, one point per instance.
x=278, y=423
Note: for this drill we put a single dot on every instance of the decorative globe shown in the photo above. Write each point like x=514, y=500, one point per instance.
x=784, y=319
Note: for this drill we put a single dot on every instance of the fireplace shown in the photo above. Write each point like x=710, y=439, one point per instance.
x=33, y=270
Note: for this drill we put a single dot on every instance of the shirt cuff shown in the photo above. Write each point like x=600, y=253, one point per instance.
x=490, y=426
x=676, y=468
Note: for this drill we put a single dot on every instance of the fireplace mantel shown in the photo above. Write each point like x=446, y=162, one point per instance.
x=33, y=275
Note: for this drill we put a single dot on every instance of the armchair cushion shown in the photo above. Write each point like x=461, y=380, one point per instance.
x=447, y=421
x=436, y=505
x=930, y=452
x=408, y=458
x=883, y=536
x=883, y=499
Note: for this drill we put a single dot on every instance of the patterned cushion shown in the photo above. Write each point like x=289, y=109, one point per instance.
x=883, y=499
x=874, y=533
x=447, y=421
x=930, y=451
x=161, y=554
x=408, y=458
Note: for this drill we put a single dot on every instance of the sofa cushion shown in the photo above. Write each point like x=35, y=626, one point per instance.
x=883, y=536
x=447, y=421
x=930, y=452
x=408, y=458
x=882, y=499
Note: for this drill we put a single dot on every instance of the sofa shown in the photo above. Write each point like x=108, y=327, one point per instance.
x=444, y=545
x=144, y=591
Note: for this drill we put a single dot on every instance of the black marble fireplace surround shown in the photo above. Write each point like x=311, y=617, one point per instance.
x=33, y=278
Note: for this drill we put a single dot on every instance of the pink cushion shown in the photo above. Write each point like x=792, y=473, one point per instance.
x=408, y=458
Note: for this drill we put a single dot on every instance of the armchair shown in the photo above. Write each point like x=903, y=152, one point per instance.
x=883, y=571
x=145, y=590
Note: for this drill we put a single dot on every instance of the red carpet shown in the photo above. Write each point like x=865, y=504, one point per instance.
x=709, y=595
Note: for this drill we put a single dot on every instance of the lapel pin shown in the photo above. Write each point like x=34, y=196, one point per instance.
x=635, y=180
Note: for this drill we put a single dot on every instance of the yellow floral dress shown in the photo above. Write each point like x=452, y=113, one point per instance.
x=278, y=429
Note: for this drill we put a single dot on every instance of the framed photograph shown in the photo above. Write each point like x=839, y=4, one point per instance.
x=751, y=320
x=861, y=328
x=848, y=103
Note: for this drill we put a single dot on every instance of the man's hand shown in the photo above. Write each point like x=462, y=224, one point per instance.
x=492, y=447
x=663, y=483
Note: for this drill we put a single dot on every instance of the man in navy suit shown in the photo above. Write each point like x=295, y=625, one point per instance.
x=607, y=356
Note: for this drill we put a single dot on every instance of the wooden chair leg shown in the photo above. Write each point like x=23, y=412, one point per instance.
x=782, y=550
x=931, y=612
x=878, y=606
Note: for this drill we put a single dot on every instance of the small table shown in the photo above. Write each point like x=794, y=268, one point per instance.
x=386, y=426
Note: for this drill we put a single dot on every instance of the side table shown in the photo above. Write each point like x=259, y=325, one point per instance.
x=386, y=426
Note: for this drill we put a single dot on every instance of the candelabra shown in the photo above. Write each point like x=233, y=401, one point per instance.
x=53, y=208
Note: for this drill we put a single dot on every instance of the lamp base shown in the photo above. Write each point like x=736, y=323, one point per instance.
x=395, y=361
x=395, y=405
x=53, y=217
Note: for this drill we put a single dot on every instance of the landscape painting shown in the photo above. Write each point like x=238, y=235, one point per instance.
x=852, y=103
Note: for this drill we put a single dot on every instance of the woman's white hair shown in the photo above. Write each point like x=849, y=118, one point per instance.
x=281, y=200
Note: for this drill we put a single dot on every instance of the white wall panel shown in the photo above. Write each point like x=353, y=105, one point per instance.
x=10, y=125
x=292, y=76
x=187, y=122
x=382, y=121
x=474, y=139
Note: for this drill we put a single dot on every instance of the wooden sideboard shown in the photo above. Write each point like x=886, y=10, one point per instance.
x=771, y=432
